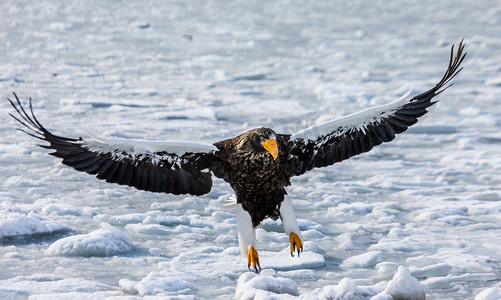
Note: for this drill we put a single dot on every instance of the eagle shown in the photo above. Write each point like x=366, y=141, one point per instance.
x=258, y=164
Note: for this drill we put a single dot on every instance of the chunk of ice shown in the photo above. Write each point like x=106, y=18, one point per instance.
x=489, y=294
x=16, y=223
x=365, y=260
x=254, y=286
x=405, y=287
x=106, y=241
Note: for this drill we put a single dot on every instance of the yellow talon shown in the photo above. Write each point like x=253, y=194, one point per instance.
x=295, y=244
x=253, y=258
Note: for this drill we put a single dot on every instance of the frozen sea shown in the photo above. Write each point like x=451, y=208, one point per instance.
x=418, y=216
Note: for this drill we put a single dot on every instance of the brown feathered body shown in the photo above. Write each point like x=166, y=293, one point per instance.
x=258, y=180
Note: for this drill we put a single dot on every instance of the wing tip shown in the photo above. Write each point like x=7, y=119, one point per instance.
x=456, y=59
x=28, y=120
x=453, y=68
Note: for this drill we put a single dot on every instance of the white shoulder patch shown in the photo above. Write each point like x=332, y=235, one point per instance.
x=358, y=120
x=139, y=147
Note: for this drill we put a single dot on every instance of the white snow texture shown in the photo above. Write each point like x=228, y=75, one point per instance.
x=102, y=242
x=418, y=217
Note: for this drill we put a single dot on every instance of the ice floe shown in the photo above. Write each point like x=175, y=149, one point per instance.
x=163, y=285
x=441, y=269
x=404, y=286
x=348, y=289
x=489, y=294
x=253, y=286
x=365, y=260
x=105, y=241
x=17, y=224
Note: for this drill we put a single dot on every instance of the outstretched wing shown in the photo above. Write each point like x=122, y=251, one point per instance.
x=340, y=139
x=168, y=167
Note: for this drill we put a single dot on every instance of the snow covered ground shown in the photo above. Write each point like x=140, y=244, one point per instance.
x=419, y=215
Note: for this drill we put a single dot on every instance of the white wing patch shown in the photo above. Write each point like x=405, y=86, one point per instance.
x=155, y=151
x=356, y=121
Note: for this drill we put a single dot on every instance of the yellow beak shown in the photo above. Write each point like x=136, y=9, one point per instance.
x=271, y=146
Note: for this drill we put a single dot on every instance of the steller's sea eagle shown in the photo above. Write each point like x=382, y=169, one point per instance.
x=258, y=164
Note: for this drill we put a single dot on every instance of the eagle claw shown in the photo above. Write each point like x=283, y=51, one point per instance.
x=295, y=244
x=252, y=257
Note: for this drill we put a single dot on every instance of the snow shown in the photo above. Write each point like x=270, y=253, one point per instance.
x=365, y=260
x=153, y=285
x=489, y=294
x=429, y=201
x=387, y=269
x=440, y=269
x=404, y=286
x=44, y=284
x=106, y=241
x=348, y=289
x=18, y=224
x=252, y=286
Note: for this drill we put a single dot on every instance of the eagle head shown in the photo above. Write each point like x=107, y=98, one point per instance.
x=260, y=140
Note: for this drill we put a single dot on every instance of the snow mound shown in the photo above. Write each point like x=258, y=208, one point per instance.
x=387, y=269
x=348, y=290
x=265, y=286
x=405, y=287
x=106, y=241
x=18, y=224
x=365, y=260
x=440, y=269
x=164, y=283
x=153, y=285
x=489, y=294
x=61, y=209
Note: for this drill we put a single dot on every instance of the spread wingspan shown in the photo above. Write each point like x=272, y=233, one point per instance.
x=340, y=139
x=168, y=167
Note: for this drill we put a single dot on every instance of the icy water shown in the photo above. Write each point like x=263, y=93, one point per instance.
x=425, y=206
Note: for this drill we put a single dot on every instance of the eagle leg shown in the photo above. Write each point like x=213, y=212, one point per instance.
x=247, y=238
x=290, y=225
